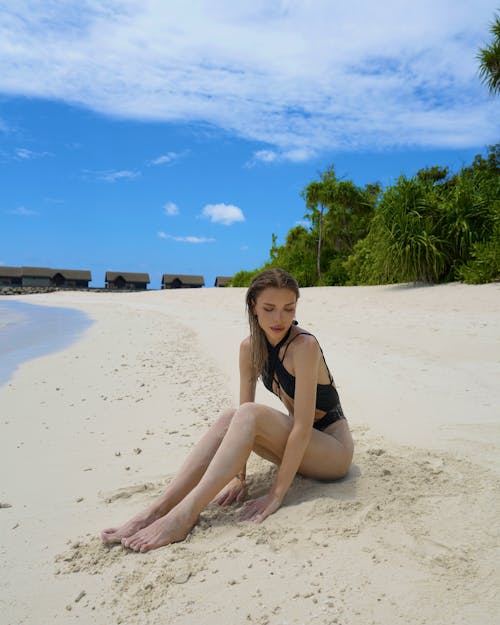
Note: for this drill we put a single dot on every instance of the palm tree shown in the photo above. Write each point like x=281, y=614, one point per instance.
x=489, y=59
x=319, y=194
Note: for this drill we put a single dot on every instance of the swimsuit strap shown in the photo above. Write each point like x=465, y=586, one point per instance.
x=274, y=353
x=308, y=334
x=292, y=340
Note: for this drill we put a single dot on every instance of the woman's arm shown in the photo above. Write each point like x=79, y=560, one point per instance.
x=306, y=360
x=247, y=382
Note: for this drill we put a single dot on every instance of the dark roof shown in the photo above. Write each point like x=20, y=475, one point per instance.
x=38, y=272
x=168, y=278
x=111, y=276
x=74, y=274
x=11, y=272
x=46, y=272
x=222, y=280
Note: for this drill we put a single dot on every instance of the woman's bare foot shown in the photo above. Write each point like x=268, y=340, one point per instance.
x=117, y=534
x=171, y=528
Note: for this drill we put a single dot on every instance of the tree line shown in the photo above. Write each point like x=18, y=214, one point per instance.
x=433, y=227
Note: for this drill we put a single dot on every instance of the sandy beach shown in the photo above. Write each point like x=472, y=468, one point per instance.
x=90, y=434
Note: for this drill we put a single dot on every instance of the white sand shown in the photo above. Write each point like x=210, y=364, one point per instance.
x=89, y=435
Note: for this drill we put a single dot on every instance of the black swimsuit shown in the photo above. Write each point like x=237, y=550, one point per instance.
x=327, y=398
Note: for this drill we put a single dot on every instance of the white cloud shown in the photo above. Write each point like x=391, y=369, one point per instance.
x=266, y=156
x=24, y=154
x=21, y=211
x=298, y=76
x=188, y=239
x=171, y=209
x=225, y=214
x=297, y=155
x=112, y=175
x=164, y=159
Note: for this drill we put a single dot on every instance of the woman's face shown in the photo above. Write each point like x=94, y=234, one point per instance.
x=275, y=310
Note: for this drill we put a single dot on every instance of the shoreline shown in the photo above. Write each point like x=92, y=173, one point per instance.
x=29, y=331
x=90, y=434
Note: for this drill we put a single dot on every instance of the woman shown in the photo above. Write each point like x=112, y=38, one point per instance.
x=313, y=439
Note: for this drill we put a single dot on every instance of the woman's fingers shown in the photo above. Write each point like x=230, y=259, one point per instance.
x=258, y=510
x=251, y=509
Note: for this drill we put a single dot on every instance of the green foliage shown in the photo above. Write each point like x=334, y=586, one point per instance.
x=340, y=213
x=336, y=273
x=484, y=265
x=367, y=265
x=243, y=278
x=415, y=250
x=297, y=255
x=489, y=59
x=432, y=227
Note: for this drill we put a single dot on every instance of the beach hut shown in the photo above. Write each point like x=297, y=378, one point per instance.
x=222, y=281
x=61, y=278
x=171, y=281
x=71, y=278
x=126, y=280
x=37, y=276
x=11, y=276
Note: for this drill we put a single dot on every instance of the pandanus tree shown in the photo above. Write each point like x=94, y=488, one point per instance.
x=414, y=248
x=489, y=59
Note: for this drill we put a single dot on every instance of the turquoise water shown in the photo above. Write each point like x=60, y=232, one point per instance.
x=28, y=331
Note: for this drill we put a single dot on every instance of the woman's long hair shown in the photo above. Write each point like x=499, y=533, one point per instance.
x=270, y=278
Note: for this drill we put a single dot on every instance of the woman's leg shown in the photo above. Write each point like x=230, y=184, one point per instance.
x=253, y=427
x=185, y=480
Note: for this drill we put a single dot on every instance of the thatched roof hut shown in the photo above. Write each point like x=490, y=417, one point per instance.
x=171, y=281
x=44, y=276
x=11, y=276
x=126, y=280
x=222, y=281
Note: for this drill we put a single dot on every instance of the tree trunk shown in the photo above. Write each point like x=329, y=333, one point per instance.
x=320, y=228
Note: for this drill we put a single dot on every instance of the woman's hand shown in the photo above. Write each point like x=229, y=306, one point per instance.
x=259, y=509
x=236, y=490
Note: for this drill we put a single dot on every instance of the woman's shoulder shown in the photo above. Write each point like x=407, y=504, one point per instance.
x=304, y=343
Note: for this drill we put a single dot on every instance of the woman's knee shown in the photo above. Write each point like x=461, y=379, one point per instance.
x=224, y=421
x=248, y=412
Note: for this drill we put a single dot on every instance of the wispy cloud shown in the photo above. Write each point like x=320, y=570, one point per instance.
x=300, y=77
x=54, y=200
x=112, y=175
x=165, y=159
x=187, y=239
x=24, y=155
x=21, y=211
x=171, y=209
x=225, y=214
x=297, y=155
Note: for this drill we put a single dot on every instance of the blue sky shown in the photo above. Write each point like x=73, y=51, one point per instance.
x=172, y=137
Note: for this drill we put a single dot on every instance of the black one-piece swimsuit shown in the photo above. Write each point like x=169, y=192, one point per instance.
x=327, y=398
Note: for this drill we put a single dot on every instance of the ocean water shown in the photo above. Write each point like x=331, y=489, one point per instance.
x=28, y=331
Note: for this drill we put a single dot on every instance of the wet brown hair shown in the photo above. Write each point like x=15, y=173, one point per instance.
x=270, y=278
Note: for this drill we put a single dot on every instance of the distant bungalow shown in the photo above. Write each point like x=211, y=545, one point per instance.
x=44, y=276
x=128, y=281
x=222, y=280
x=11, y=276
x=170, y=281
